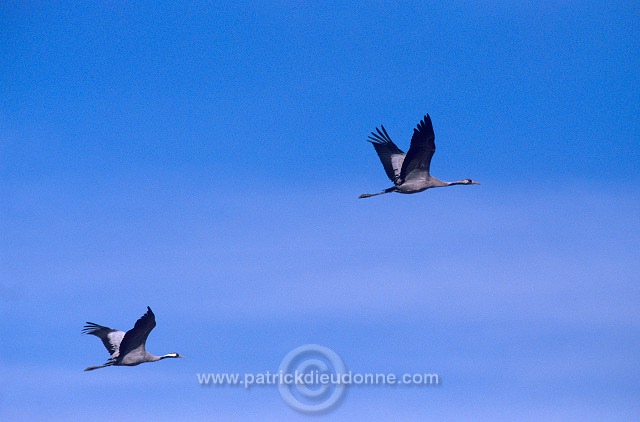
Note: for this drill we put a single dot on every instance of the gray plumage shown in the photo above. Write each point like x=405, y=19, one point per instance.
x=127, y=349
x=409, y=172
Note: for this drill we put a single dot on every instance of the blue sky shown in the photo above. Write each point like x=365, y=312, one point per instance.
x=206, y=159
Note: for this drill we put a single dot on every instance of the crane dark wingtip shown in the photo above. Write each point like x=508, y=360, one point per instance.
x=90, y=328
x=377, y=138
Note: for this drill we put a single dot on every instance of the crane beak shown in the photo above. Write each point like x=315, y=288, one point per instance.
x=475, y=183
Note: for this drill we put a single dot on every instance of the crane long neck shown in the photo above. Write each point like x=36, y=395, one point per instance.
x=437, y=183
x=152, y=358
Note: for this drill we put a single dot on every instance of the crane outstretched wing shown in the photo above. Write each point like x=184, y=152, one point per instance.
x=110, y=338
x=418, y=160
x=390, y=155
x=137, y=336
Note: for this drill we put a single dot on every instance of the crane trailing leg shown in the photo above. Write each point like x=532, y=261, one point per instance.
x=367, y=195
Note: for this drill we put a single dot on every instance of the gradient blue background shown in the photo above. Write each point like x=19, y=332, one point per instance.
x=206, y=159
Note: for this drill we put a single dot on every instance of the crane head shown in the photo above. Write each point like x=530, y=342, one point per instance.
x=172, y=355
